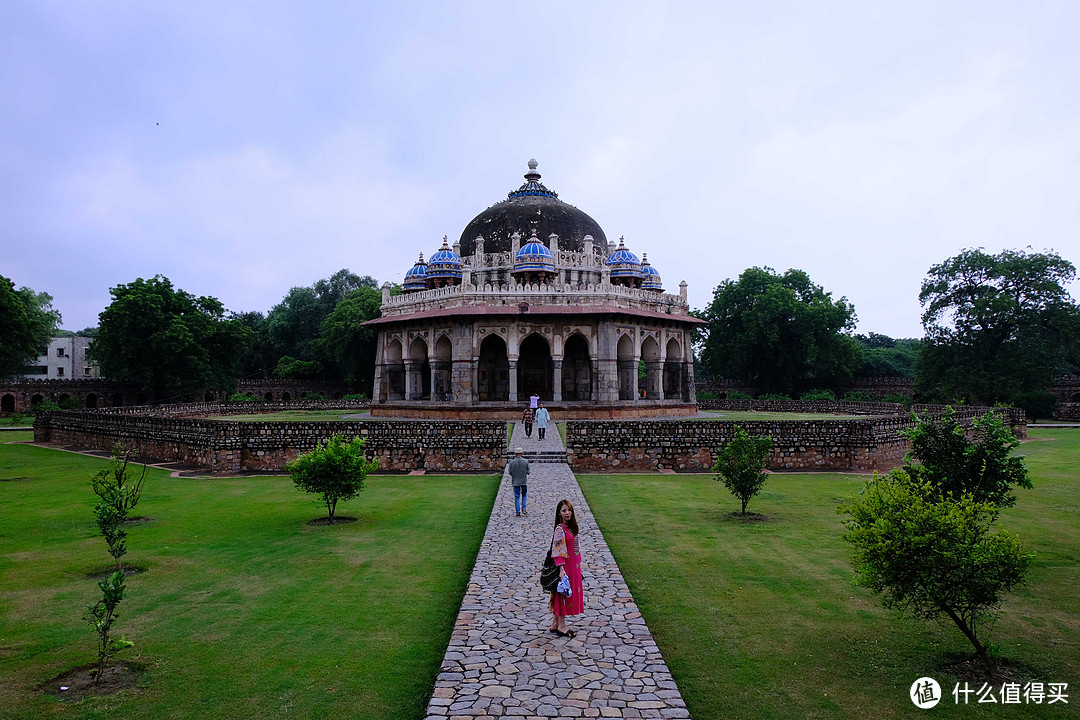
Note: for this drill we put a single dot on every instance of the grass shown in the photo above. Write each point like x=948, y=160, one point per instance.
x=287, y=415
x=753, y=415
x=244, y=611
x=761, y=620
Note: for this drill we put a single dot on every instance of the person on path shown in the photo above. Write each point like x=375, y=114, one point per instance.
x=527, y=417
x=542, y=419
x=519, y=475
x=533, y=399
x=567, y=555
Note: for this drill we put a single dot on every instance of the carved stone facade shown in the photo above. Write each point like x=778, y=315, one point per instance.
x=574, y=320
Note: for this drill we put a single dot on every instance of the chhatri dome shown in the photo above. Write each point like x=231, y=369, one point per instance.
x=533, y=299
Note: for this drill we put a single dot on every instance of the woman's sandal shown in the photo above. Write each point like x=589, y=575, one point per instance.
x=567, y=634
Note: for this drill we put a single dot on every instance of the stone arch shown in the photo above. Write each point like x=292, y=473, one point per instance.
x=91, y=401
x=1075, y=398
x=7, y=403
x=675, y=385
x=493, y=370
x=117, y=400
x=394, y=388
x=650, y=355
x=208, y=397
x=36, y=399
x=268, y=397
x=440, y=368
x=286, y=397
x=624, y=353
x=418, y=373
x=535, y=369
x=576, y=369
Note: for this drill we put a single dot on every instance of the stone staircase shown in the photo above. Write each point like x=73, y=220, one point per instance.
x=543, y=456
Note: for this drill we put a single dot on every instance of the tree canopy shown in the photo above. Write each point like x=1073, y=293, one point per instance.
x=741, y=464
x=167, y=340
x=347, y=342
x=781, y=333
x=27, y=324
x=335, y=470
x=998, y=327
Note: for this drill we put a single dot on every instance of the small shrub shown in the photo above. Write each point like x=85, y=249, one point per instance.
x=335, y=470
x=18, y=419
x=905, y=400
x=739, y=395
x=355, y=396
x=741, y=464
x=312, y=397
x=242, y=397
x=707, y=395
x=70, y=403
x=858, y=396
x=45, y=405
x=102, y=615
x=818, y=394
x=775, y=397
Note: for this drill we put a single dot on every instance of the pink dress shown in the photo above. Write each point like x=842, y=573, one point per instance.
x=564, y=551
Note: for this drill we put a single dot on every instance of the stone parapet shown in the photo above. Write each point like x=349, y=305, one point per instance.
x=226, y=446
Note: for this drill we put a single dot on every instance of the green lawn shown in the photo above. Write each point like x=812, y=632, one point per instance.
x=762, y=620
x=753, y=415
x=245, y=611
x=286, y=415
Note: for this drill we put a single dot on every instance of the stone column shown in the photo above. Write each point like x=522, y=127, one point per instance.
x=410, y=379
x=513, y=380
x=376, y=391
x=688, y=390
x=635, y=393
x=655, y=384
x=556, y=380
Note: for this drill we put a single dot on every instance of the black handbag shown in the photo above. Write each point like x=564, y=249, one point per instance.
x=549, y=574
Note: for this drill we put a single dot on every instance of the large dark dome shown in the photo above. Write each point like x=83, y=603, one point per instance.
x=532, y=206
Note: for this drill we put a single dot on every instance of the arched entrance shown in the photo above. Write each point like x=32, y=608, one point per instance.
x=36, y=400
x=674, y=387
x=534, y=368
x=418, y=373
x=627, y=368
x=394, y=372
x=493, y=370
x=576, y=369
x=7, y=404
x=650, y=355
x=440, y=369
x=91, y=401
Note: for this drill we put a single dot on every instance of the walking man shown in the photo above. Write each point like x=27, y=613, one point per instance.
x=527, y=418
x=542, y=418
x=519, y=474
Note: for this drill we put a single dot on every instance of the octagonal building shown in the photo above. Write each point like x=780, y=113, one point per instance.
x=533, y=298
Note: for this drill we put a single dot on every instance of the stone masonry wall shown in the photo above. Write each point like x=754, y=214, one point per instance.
x=222, y=446
x=847, y=445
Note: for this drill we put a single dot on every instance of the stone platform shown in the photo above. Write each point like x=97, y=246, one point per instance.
x=628, y=409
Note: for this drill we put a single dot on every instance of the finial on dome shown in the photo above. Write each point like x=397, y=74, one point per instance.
x=622, y=239
x=421, y=259
x=532, y=175
x=644, y=258
x=445, y=242
x=533, y=236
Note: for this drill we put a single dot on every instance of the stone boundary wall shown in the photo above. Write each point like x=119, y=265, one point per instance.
x=224, y=446
x=207, y=409
x=831, y=407
x=856, y=445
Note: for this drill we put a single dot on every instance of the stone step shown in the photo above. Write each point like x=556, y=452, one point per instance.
x=541, y=457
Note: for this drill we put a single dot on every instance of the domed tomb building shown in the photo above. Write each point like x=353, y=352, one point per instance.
x=533, y=298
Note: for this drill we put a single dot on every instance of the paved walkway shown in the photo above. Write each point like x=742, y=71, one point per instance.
x=503, y=662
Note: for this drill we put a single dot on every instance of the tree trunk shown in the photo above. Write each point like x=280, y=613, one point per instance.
x=968, y=632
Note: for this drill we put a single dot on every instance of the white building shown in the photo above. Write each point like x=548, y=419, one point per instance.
x=65, y=360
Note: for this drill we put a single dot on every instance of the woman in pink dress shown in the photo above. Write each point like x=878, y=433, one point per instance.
x=565, y=553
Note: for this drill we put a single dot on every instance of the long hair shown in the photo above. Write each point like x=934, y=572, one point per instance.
x=573, y=516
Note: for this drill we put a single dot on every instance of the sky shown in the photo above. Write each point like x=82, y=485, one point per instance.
x=241, y=149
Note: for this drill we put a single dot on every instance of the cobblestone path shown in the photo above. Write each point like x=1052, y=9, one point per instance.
x=503, y=662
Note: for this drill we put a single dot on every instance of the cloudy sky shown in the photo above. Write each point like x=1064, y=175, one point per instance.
x=243, y=148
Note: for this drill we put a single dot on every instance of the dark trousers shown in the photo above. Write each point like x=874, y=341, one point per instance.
x=540, y=433
x=528, y=429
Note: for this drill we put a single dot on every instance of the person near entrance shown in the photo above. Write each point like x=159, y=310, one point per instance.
x=527, y=417
x=542, y=419
x=519, y=477
x=533, y=400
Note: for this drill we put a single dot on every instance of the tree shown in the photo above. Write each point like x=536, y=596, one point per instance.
x=931, y=558
x=335, y=471
x=346, y=341
x=168, y=341
x=955, y=465
x=885, y=357
x=782, y=333
x=293, y=326
x=27, y=323
x=741, y=464
x=998, y=327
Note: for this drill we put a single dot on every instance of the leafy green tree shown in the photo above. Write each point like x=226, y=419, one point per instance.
x=118, y=483
x=954, y=465
x=27, y=323
x=102, y=615
x=741, y=464
x=780, y=333
x=335, y=471
x=930, y=558
x=998, y=327
x=345, y=341
x=259, y=359
x=168, y=341
x=289, y=368
x=294, y=325
x=885, y=357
